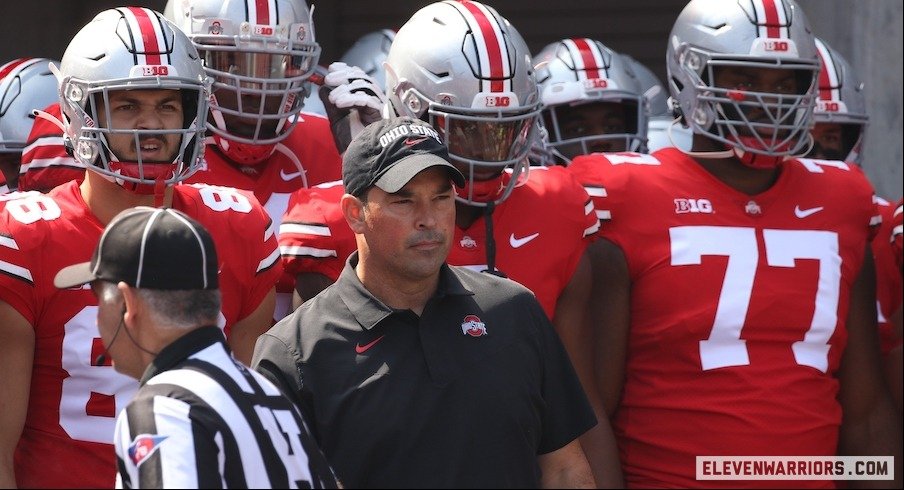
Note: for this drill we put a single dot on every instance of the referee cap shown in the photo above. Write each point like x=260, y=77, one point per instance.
x=149, y=248
x=390, y=152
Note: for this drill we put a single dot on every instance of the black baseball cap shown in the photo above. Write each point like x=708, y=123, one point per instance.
x=149, y=248
x=390, y=152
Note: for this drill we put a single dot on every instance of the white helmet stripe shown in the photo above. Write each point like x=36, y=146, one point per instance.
x=771, y=19
x=829, y=81
x=491, y=48
x=262, y=12
x=147, y=34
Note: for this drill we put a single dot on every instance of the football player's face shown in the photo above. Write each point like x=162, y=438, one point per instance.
x=747, y=84
x=409, y=232
x=827, y=141
x=593, y=119
x=146, y=110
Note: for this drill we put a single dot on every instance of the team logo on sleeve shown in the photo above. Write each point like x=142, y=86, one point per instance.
x=143, y=446
x=473, y=326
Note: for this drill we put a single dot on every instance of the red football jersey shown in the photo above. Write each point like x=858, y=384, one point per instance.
x=897, y=232
x=738, y=308
x=888, y=277
x=314, y=236
x=307, y=156
x=45, y=163
x=540, y=231
x=68, y=434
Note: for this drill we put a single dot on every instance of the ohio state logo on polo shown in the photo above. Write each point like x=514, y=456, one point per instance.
x=473, y=326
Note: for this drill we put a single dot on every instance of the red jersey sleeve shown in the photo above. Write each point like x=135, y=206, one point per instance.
x=45, y=162
x=314, y=236
x=897, y=232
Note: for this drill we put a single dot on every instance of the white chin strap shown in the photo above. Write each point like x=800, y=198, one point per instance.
x=712, y=155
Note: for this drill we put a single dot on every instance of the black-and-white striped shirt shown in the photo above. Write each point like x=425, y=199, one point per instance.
x=202, y=420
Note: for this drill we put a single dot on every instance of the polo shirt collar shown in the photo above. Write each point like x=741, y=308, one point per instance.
x=182, y=348
x=368, y=310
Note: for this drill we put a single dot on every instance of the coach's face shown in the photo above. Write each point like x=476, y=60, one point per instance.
x=408, y=233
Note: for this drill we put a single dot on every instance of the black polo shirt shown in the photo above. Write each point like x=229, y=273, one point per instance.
x=466, y=395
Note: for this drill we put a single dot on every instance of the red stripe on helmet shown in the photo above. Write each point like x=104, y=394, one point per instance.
x=148, y=35
x=492, y=44
x=825, y=84
x=10, y=67
x=586, y=51
x=263, y=11
x=773, y=27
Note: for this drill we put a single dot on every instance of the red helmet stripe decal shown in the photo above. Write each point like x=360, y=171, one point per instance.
x=261, y=12
x=772, y=20
x=589, y=57
x=493, y=53
x=14, y=66
x=147, y=31
x=829, y=80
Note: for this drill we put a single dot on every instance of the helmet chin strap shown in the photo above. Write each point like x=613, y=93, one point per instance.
x=713, y=155
x=159, y=190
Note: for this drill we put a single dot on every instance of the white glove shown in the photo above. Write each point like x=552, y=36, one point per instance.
x=352, y=100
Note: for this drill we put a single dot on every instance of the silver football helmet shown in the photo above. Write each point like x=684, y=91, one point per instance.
x=841, y=101
x=369, y=52
x=463, y=68
x=260, y=55
x=581, y=74
x=712, y=34
x=651, y=87
x=131, y=49
x=662, y=130
x=26, y=84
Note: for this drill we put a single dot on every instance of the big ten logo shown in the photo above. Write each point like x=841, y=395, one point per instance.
x=498, y=101
x=263, y=30
x=693, y=206
x=828, y=106
x=595, y=83
x=780, y=46
x=155, y=70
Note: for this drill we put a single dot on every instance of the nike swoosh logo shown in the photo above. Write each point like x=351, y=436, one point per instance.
x=287, y=177
x=519, y=242
x=413, y=141
x=361, y=349
x=803, y=213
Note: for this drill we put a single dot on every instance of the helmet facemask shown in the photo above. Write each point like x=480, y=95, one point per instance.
x=595, y=126
x=483, y=144
x=137, y=158
x=768, y=123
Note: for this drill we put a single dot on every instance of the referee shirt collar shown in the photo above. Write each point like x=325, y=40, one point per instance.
x=368, y=310
x=183, y=347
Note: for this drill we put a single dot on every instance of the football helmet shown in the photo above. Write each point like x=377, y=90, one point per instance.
x=369, y=52
x=131, y=48
x=463, y=68
x=26, y=84
x=652, y=89
x=260, y=55
x=583, y=74
x=759, y=127
x=841, y=101
x=662, y=129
